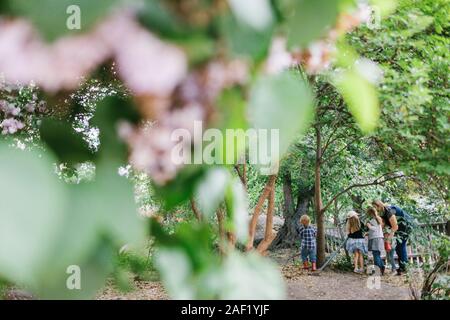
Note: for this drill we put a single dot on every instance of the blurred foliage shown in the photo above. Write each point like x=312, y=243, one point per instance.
x=411, y=47
x=54, y=25
x=190, y=270
x=87, y=215
x=436, y=285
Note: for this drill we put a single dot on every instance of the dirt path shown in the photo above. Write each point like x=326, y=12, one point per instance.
x=344, y=286
x=144, y=290
x=300, y=285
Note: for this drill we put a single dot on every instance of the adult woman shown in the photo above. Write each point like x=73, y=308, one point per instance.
x=395, y=218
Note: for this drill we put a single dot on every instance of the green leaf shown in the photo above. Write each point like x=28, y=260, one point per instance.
x=95, y=223
x=108, y=114
x=30, y=213
x=114, y=215
x=232, y=106
x=198, y=48
x=256, y=14
x=385, y=7
x=232, y=118
x=237, y=207
x=243, y=40
x=195, y=240
x=156, y=17
x=361, y=98
x=308, y=20
x=238, y=277
x=190, y=269
x=60, y=225
x=210, y=191
x=94, y=270
x=67, y=144
x=50, y=16
x=180, y=189
x=176, y=272
x=250, y=277
x=282, y=102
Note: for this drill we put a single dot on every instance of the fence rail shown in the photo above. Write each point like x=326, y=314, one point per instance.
x=417, y=254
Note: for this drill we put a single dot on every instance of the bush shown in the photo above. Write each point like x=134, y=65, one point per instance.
x=131, y=266
x=342, y=262
x=436, y=285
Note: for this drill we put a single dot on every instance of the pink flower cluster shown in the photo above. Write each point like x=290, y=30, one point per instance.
x=152, y=144
x=11, y=125
x=146, y=64
x=318, y=56
x=18, y=106
x=15, y=114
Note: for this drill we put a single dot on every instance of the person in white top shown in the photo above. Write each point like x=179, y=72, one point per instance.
x=376, y=238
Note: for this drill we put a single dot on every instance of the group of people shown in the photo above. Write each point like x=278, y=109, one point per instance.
x=387, y=227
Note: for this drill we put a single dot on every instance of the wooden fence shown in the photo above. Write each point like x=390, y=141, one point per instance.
x=417, y=253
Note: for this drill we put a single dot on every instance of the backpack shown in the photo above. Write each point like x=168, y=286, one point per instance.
x=410, y=221
x=405, y=219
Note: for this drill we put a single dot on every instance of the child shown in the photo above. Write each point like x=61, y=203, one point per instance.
x=389, y=246
x=308, y=246
x=356, y=243
x=376, y=239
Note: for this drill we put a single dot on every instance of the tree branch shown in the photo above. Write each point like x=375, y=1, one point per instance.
x=242, y=175
x=328, y=142
x=339, y=151
x=360, y=185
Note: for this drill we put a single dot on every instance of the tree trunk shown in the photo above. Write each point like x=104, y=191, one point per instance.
x=268, y=235
x=195, y=210
x=320, y=219
x=220, y=221
x=287, y=236
x=242, y=174
x=231, y=236
x=252, y=227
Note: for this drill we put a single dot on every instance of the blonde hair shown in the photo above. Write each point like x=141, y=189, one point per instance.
x=353, y=224
x=305, y=220
x=378, y=203
x=372, y=212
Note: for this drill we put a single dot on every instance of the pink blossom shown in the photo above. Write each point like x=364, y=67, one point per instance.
x=151, y=153
x=224, y=74
x=319, y=57
x=151, y=147
x=146, y=64
x=279, y=58
x=11, y=126
x=125, y=130
x=30, y=107
x=363, y=12
x=184, y=118
x=9, y=109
